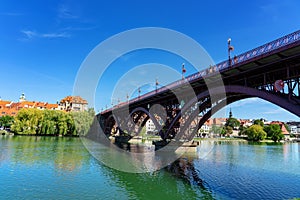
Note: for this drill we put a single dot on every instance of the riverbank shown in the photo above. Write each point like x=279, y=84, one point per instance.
x=147, y=139
x=5, y=132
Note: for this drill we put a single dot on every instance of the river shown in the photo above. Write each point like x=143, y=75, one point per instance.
x=61, y=168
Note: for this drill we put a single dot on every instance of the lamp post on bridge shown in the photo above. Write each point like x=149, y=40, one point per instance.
x=230, y=48
x=127, y=97
x=139, y=91
x=183, y=70
x=156, y=85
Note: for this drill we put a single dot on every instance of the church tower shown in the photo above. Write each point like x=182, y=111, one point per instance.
x=22, y=98
x=230, y=113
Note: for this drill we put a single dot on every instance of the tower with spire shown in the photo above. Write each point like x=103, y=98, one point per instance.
x=22, y=97
x=230, y=113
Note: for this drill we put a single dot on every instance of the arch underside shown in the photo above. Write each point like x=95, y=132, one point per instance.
x=233, y=94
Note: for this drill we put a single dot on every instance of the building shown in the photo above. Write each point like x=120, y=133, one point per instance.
x=294, y=128
x=73, y=103
x=69, y=103
x=150, y=127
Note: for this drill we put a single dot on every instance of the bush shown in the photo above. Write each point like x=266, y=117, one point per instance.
x=274, y=132
x=256, y=133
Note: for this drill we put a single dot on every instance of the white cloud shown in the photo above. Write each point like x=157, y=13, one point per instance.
x=275, y=111
x=55, y=35
x=31, y=34
x=243, y=102
x=64, y=12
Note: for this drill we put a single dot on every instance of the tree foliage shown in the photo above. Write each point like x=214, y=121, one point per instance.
x=83, y=121
x=226, y=131
x=274, y=132
x=232, y=122
x=216, y=129
x=242, y=129
x=256, y=133
x=52, y=122
x=6, y=121
x=259, y=122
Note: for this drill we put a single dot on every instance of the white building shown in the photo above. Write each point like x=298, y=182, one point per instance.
x=293, y=129
x=204, y=130
x=150, y=127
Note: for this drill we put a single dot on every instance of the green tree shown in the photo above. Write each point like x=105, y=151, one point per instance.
x=6, y=121
x=226, y=131
x=256, y=133
x=274, y=132
x=52, y=122
x=242, y=129
x=223, y=131
x=287, y=128
x=26, y=121
x=216, y=129
x=83, y=121
x=259, y=122
x=232, y=122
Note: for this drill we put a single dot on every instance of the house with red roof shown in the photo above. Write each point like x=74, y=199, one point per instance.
x=69, y=103
x=285, y=132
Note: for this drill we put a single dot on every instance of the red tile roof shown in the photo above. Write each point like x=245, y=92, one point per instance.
x=73, y=99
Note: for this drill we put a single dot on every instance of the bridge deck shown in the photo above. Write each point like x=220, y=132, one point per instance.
x=270, y=58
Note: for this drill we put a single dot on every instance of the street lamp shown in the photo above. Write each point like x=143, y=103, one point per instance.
x=183, y=70
x=156, y=84
x=127, y=97
x=139, y=91
x=230, y=48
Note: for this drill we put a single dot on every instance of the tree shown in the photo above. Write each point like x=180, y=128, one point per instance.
x=27, y=121
x=242, y=129
x=83, y=121
x=52, y=122
x=43, y=122
x=256, y=133
x=232, y=122
x=229, y=130
x=287, y=127
x=259, y=122
x=226, y=131
x=274, y=132
x=216, y=129
x=6, y=121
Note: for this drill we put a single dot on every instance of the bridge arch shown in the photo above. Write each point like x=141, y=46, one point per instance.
x=141, y=109
x=110, y=122
x=234, y=93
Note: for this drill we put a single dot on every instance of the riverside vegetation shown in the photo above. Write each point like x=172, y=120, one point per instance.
x=49, y=122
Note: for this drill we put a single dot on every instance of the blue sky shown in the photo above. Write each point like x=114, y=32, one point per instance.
x=43, y=43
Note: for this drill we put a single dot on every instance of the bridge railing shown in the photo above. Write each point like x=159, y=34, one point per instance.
x=262, y=50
